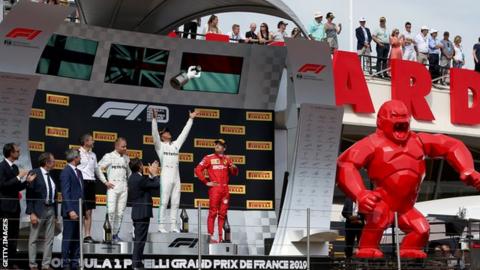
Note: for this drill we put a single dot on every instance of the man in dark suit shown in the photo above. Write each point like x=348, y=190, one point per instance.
x=42, y=208
x=353, y=225
x=139, y=192
x=12, y=181
x=72, y=191
x=364, y=38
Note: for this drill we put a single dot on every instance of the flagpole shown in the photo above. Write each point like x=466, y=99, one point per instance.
x=351, y=25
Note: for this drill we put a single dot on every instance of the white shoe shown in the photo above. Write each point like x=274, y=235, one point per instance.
x=162, y=229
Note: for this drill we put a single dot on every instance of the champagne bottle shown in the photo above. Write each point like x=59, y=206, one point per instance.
x=226, y=231
x=107, y=229
x=184, y=218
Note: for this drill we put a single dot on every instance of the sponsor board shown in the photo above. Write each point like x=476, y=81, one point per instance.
x=208, y=113
x=259, y=175
x=74, y=146
x=148, y=139
x=236, y=189
x=104, y=136
x=58, y=100
x=56, y=132
x=37, y=113
x=186, y=187
x=204, y=203
x=59, y=164
x=259, y=116
x=204, y=143
x=259, y=145
x=36, y=146
x=135, y=153
x=232, y=130
x=156, y=201
x=259, y=204
x=101, y=199
x=238, y=159
x=185, y=157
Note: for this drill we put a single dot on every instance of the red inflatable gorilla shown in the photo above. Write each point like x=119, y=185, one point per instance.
x=394, y=158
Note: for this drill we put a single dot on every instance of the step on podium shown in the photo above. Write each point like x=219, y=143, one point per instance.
x=175, y=243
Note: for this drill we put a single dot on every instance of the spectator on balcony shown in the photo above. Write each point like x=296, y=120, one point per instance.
x=434, y=47
x=296, y=33
x=381, y=38
x=234, y=35
x=476, y=55
x=396, y=42
x=458, y=56
x=212, y=26
x=280, y=35
x=190, y=28
x=421, y=43
x=364, y=38
x=264, y=35
x=316, y=29
x=250, y=36
x=409, y=52
x=447, y=53
x=331, y=32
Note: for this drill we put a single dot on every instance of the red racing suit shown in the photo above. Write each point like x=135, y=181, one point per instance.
x=219, y=168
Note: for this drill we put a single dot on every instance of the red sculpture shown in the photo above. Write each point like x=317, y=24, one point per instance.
x=394, y=159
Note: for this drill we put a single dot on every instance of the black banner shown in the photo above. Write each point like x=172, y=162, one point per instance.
x=58, y=120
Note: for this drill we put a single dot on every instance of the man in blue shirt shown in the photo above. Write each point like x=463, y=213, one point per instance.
x=434, y=46
x=316, y=30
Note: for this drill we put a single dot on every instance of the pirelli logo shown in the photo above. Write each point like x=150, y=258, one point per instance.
x=186, y=187
x=74, y=146
x=145, y=170
x=259, y=116
x=259, y=145
x=204, y=203
x=208, y=113
x=148, y=139
x=204, y=143
x=232, y=130
x=259, y=175
x=135, y=153
x=58, y=100
x=101, y=199
x=238, y=159
x=37, y=113
x=156, y=201
x=252, y=204
x=36, y=146
x=56, y=132
x=185, y=157
x=60, y=164
x=236, y=189
x=104, y=136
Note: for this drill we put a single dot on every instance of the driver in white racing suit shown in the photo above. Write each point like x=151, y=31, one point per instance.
x=168, y=151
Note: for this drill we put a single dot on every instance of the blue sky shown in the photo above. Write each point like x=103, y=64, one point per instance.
x=460, y=17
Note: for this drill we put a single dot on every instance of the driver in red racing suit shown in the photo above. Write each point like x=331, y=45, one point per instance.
x=219, y=167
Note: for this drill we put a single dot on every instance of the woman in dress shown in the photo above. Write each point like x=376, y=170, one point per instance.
x=264, y=35
x=331, y=32
x=397, y=43
x=459, y=56
x=212, y=26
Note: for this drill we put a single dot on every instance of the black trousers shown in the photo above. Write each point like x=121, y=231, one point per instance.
x=190, y=28
x=477, y=66
x=434, y=65
x=382, y=57
x=141, y=233
x=352, y=235
x=10, y=226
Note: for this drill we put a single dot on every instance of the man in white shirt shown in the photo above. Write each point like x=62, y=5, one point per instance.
x=280, y=35
x=409, y=52
x=421, y=43
x=115, y=164
x=89, y=167
x=234, y=35
x=382, y=39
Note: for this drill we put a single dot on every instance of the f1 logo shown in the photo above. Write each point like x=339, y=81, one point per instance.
x=179, y=242
x=26, y=33
x=314, y=68
x=130, y=111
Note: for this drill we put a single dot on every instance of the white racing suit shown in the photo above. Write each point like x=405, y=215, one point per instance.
x=118, y=172
x=170, y=176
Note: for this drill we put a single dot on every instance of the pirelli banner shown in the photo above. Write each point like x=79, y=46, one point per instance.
x=57, y=121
